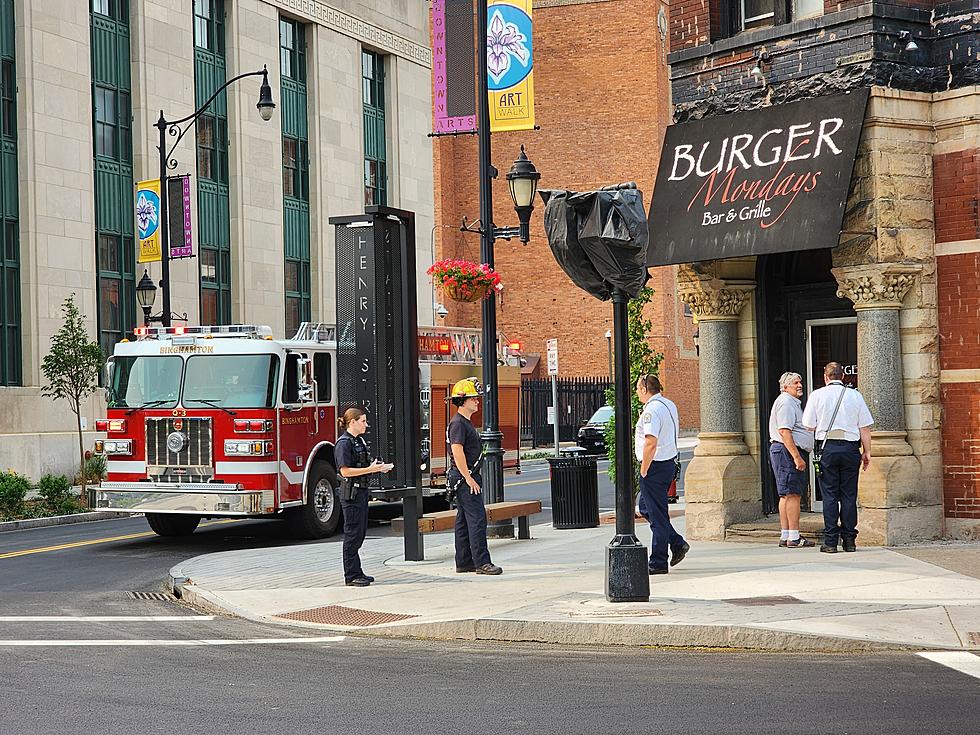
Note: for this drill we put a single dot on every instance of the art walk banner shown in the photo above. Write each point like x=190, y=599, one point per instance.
x=148, y=220
x=770, y=180
x=510, y=65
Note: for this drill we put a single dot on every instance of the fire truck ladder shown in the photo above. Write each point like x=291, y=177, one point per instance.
x=464, y=342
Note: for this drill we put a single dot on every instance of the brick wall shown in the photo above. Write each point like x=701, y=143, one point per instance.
x=957, y=185
x=602, y=115
x=957, y=189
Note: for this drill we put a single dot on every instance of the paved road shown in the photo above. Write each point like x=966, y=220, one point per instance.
x=81, y=655
x=368, y=686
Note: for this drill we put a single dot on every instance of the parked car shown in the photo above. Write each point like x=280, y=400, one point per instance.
x=592, y=436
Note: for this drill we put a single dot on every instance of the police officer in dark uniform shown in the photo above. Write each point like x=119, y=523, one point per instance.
x=354, y=463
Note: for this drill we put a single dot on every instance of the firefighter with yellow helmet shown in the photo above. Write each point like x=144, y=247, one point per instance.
x=466, y=457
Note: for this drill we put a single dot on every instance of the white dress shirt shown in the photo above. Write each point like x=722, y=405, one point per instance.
x=659, y=418
x=852, y=416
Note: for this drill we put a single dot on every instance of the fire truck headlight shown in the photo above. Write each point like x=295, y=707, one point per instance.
x=118, y=446
x=233, y=446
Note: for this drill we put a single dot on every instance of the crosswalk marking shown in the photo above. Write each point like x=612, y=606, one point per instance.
x=105, y=618
x=192, y=642
x=963, y=661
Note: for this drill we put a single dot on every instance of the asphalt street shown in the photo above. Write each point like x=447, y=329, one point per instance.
x=367, y=686
x=90, y=642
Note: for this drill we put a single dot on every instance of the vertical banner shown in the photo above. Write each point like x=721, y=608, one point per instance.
x=510, y=65
x=148, y=220
x=453, y=66
x=179, y=213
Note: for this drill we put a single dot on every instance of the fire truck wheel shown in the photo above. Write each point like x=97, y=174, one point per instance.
x=166, y=524
x=320, y=516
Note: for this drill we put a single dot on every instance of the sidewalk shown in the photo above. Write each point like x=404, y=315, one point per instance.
x=733, y=595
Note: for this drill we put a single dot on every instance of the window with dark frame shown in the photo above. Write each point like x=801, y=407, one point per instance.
x=112, y=122
x=747, y=15
x=375, y=148
x=10, y=310
x=213, y=173
x=295, y=173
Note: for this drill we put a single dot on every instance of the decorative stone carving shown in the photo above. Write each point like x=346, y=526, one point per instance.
x=724, y=304
x=876, y=287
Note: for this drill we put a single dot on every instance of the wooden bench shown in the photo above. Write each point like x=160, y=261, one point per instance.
x=445, y=520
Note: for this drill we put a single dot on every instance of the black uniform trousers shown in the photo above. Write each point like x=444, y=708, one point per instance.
x=355, y=529
x=839, y=468
x=471, y=524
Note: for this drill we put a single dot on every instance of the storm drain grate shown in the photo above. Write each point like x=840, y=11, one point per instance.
x=974, y=637
x=159, y=596
x=763, y=601
x=340, y=615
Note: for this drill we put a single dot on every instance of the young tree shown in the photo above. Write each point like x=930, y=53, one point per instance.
x=71, y=369
x=643, y=360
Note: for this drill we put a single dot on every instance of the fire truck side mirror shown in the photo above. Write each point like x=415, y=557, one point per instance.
x=107, y=380
x=304, y=379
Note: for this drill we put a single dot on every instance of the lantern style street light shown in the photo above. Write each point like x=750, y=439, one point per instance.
x=266, y=107
x=146, y=294
x=522, y=179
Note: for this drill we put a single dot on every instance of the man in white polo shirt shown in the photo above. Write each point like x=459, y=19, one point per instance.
x=656, y=451
x=841, y=422
x=789, y=446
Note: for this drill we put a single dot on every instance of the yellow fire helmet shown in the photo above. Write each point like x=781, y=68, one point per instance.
x=467, y=388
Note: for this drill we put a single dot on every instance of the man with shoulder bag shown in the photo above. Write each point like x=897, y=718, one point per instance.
x=656, y=450
x=841, y=422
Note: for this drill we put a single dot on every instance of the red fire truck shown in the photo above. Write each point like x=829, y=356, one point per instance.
x=227, y=422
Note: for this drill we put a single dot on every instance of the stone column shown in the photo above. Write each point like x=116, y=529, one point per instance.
x=722, y=481
x=894, y=505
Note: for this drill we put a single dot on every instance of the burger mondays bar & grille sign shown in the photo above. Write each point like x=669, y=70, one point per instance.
x=765, y=181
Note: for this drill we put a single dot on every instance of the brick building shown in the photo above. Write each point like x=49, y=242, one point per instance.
x=601, y=114
x=894, y=294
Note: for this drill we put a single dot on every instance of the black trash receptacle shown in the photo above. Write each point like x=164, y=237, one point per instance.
x=574, y=491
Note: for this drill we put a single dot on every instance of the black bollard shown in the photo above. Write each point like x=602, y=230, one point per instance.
x=627, y=575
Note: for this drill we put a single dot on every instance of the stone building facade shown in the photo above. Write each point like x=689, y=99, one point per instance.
x=904, y=268
x=601, y=114
x=82, y=86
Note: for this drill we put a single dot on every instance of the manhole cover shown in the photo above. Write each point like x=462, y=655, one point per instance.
x=762, y=601
x=340, y=615
x=161, y=596
x=974, y=638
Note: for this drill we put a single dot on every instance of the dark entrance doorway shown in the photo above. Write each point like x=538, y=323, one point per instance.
x=799, y=313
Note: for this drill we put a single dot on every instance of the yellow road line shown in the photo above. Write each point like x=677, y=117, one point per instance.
x=91, y=542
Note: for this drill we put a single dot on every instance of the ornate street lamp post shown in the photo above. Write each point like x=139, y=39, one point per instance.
x=265, y=106
x=146, y=294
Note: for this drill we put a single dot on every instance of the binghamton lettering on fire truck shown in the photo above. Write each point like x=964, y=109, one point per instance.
x=226, y=421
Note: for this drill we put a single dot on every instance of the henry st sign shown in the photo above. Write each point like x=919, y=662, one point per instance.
x=764, y=181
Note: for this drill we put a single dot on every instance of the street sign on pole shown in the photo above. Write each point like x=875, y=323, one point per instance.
x=552, y=345
x=552, y=356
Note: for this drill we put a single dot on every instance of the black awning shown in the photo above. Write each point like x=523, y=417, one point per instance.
x=765, y=181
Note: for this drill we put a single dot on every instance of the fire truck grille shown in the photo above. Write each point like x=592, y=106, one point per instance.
x=195, y=451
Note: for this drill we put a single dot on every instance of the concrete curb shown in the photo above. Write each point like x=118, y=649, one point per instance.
x=730, y=637
x=95, y=515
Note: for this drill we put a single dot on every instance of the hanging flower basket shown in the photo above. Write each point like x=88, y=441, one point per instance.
x=463, y=280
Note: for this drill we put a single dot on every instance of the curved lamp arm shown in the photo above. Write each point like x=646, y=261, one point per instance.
x=173, y=126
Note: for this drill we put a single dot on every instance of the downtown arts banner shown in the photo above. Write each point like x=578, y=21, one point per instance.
x=765, y=181
x=510, y=66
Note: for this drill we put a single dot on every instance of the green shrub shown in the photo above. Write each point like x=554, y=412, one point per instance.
x=13, y=490
x=95, y=470
x=55, y=490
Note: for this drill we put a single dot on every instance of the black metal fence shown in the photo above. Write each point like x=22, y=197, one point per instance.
x=578, y=399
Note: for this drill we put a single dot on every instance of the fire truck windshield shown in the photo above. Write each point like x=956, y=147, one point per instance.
x=231, y=381
x=141, y=380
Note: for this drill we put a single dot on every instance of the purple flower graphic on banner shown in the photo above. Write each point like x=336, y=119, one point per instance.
x=504, y=40
x=146, y=213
